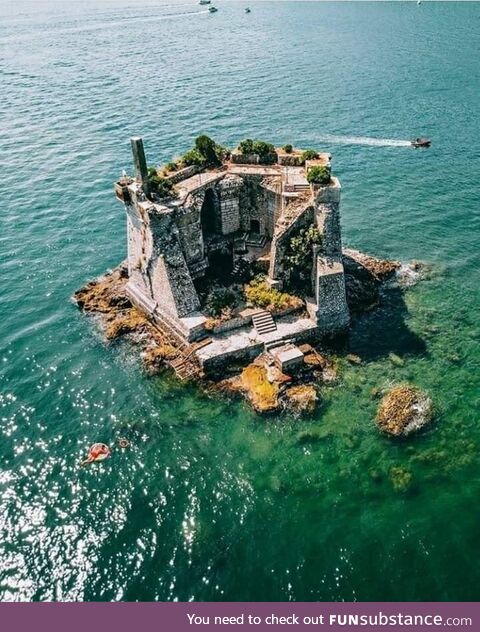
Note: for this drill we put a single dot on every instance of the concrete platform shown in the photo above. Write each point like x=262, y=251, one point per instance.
x=287, y=357
x=245, y=344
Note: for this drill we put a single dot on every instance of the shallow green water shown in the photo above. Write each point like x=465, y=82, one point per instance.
x=213, y=502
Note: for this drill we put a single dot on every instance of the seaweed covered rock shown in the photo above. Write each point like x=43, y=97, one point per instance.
x=106, y=298
x=302, y=398
x=106, y=294
x=263, y=395
x=403, y=410
x=380, y=269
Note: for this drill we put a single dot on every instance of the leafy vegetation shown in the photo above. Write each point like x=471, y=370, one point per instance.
x=219, y=299
x=193, y=157
x=205, y=153
x=309, y=154
x=319, y=174
x=299, y=256
x=266, y=151
x=207, y=148
x=160, y=185
x=288, y=149
x=259, y=294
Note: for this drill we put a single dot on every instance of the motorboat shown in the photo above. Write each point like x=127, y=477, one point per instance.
x=205, y=2
x=421, y=142
x=247, y=10
x=212, y=9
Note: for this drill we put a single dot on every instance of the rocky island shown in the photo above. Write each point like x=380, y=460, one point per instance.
x=235, y=272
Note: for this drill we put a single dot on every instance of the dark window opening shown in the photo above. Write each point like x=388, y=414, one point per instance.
x=220, y=263
x=207, y=214
x=255, y=226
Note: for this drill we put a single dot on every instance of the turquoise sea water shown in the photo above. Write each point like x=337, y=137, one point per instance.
x=212, y=502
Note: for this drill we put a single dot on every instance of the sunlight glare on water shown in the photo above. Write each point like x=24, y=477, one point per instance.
x=211, y=502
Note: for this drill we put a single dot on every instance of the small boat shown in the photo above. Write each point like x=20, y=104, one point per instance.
x=421, y=142
x=419, y=2
x=247, y=10
x=205, y=2
x=212, y=9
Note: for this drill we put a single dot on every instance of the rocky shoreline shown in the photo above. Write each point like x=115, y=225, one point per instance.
x=261, y=383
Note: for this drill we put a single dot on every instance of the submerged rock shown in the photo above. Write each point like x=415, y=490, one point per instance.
x=403, y=410
x=353, y=358
x=401, y=478
x=395, y=359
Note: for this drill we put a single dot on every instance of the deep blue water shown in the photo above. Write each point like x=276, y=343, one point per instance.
x=213, y=502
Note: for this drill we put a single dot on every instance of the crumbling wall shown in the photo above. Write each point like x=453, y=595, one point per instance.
x=172, y=285
x=327, y=217
x=258, y=202
x=287, y=228
x=187, y=219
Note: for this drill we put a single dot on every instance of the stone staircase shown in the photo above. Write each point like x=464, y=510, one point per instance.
x=263, y=322
x=256, y=240
x=240, y=270
x=186, y=364
x=277, y=343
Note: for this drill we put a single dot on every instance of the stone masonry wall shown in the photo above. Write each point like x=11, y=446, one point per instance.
x=172, y=285
x=229, y=192
x=187, y=218
x=327, y=217
x=257, y=202
x=332, y=311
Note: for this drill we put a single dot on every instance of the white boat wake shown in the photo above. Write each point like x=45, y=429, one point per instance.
x=364, y=140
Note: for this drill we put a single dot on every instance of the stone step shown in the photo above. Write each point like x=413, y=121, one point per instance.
x=277, y=343
x=263, y=322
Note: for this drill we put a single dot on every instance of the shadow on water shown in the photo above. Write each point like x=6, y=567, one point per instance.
x=384, y=330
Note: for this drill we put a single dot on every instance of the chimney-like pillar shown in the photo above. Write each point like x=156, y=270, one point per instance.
x=140, y=163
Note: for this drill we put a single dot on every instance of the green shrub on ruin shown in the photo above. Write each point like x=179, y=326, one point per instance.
x=266, y=151
x=193, y=157
x=299, y=256
x=309, y=154
x=288, y=148
x=207, y=148
x=219, y=299
x=159, y=185
x=319, y=174
x=246, y=146
x=259, y=294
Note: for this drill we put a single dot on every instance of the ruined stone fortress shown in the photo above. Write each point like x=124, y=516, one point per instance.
x=240, y=210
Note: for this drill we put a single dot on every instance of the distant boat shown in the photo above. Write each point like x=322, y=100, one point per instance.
x=419, y=1
x=205, y=1
x=247, y=10
x=421, y=142
x=212, y=9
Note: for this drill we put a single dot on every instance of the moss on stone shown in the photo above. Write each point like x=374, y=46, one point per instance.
x=262, y=394
x=403, y=410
